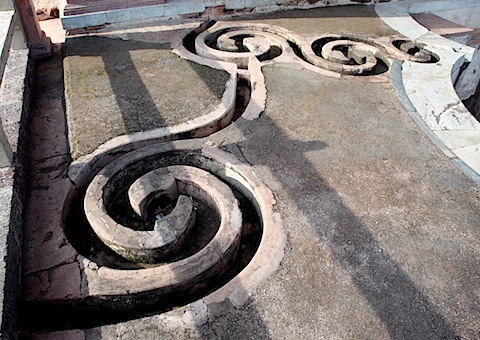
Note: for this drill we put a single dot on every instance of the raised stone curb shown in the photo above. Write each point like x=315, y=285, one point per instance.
x=14, y=111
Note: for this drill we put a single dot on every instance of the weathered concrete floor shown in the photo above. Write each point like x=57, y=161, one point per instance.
x=383, y=238
x=136, y=88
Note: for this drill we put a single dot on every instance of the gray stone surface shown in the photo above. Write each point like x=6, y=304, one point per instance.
x=14, y=112
x=117, y=87
x=383, y=238
x=382, y=227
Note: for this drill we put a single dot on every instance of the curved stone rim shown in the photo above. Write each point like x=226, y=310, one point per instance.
x=264, y=263
x=135, y=245
x=374, y=51
x=433, y=57
x=196, y=182
x=368, y=65
x=240, y=58
x=284, y=37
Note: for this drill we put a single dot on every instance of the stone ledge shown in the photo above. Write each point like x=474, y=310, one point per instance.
x=14, y=111
x=94, y=17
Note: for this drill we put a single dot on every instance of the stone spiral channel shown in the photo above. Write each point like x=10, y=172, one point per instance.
x=169, y=232
x=171, y=187
x=342, y=54
x=190, y=238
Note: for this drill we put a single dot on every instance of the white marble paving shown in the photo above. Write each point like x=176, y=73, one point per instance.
x=429, y=87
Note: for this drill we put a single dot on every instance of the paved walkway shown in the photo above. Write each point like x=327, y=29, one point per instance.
x=382, y=228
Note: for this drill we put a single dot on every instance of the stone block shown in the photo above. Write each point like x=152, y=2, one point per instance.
x=184, y=7
x=257, y=3
x=136, y=13
x=147, y=12
x=214, y=3
x=233, y=4
x=118, y=15
x=84, y=20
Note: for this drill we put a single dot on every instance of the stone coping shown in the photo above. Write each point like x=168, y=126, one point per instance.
x=15, y=98
x=428, y=91
x=167, y=10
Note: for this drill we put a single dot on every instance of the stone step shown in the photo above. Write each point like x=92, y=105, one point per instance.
x=447, y=28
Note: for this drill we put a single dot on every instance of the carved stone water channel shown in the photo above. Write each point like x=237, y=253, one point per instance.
x=159, y=223
x=165, y=213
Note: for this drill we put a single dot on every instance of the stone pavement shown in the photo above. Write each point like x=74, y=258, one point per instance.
x=144, y=97
x=382, y=237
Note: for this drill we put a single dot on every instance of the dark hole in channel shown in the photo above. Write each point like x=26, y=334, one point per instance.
x=242, y=99
x=412, y=51
x=239, y=42
x=212, y=42
x=39, y=317
x=351, y=61
x=83, y=238
x=317, y=45
x=296, y=49
x=273, y=52
x=189, y=40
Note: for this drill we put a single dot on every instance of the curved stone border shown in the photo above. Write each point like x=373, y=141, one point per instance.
x=270, y=251
x=427, y=89
x=335, y=60
x=282, y=36
x=150, y=246
x=168, y=277
x=109, y=284
x=265, y=262
x=253, y=72
x=260, y=37
x=260, y=43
